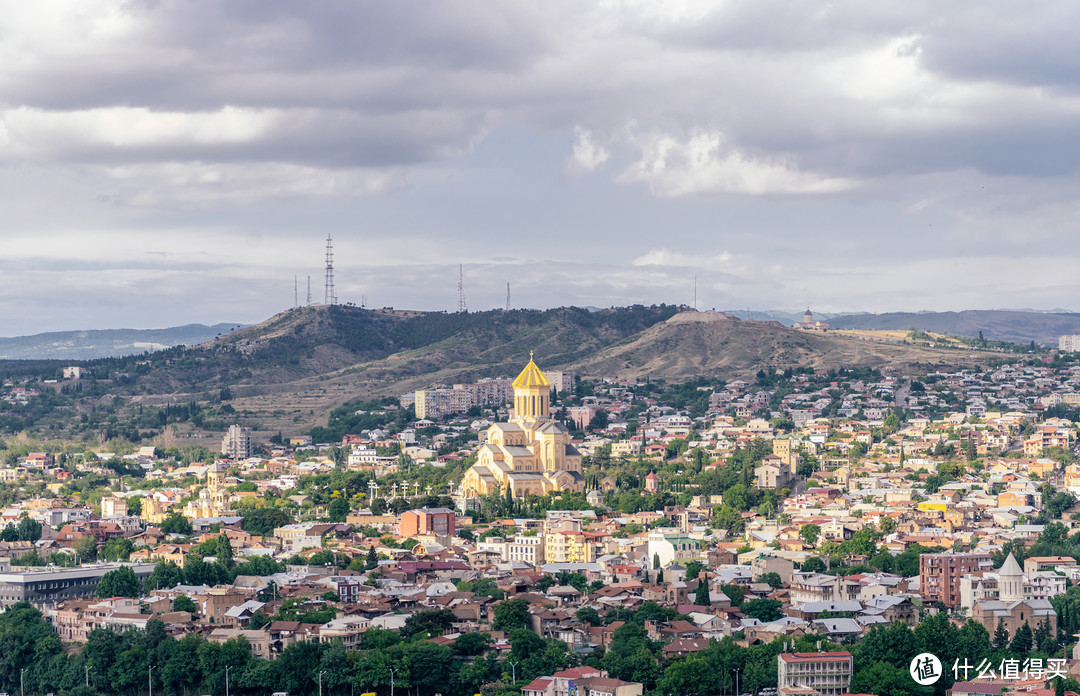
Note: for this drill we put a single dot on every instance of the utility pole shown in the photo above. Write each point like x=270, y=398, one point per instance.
x=22, y=691
x=227, y=668
x=295, y=293
x=508, y=297
x=150, y=679
x=309, y=290
x=320, y=681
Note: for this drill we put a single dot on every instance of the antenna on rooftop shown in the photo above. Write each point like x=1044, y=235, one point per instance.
x=330, y=296
x=508, y=297
x=462, y=308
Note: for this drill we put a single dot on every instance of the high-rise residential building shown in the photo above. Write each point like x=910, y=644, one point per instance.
x=237, y=443
x=940, y=575
x=1070, y=343
x=562, y=381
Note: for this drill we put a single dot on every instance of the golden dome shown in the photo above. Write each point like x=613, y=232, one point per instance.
x=531, y=376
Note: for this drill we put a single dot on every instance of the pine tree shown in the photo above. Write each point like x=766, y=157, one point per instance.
x=1021, y=642
x=656, y=561
x=372, y=559
x=1001, y=636
x=660, y=577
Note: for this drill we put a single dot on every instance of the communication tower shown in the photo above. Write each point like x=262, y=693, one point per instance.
x=330, y=296
x=462, y=308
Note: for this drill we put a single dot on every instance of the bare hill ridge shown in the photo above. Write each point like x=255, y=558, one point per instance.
x=694, y=343
x=292, y=369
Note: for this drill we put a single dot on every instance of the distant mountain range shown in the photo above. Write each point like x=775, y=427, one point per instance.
x=994, y=324
x=107, y=343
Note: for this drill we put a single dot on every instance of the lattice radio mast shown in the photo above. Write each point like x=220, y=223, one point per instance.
x=330, y=297
x=462, y=308
x=508, y=297
x=309, y=290
x=295, y=293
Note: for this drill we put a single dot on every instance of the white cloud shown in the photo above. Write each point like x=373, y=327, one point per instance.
x=705, y=164
x=587, y=155
x=667, y=257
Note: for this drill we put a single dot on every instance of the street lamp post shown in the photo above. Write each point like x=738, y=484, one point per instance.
x=22, y=690
x=87, y=668
x=227, y=668
x=392, y=670
x=513, y=670
x=737, y=682
x=321, y=672
x=150, y=679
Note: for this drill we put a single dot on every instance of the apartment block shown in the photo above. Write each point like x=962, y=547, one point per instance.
x=940, y=575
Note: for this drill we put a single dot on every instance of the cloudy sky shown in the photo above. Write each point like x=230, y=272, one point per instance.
x=176, y=161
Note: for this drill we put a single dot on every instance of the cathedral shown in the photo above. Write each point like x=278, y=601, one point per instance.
x=530, y=454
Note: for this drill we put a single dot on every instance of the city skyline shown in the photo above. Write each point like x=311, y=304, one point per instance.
x=168, y=164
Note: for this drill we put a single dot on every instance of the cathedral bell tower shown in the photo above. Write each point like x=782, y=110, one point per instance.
x=532, y=394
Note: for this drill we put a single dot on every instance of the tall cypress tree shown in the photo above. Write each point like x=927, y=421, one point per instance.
x=701, y=595
x=1001, y=636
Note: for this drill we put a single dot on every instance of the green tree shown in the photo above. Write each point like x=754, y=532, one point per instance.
x=338, y=509
x=372, y=561
x=117, y=549
x=430, y=623
x=176, y=523
x=121, y=582
x=693, y=569
x=184, y=603
x=589, y=615
x=1001, y=636
x=738, y=497
x=85, y=549
x=884, y=679
x=773, y=580
x=165, y=575
x=28, y=529
x=810, y=533
x=511, y=614
x=764, y=610
x=735, y=593
x=262, y=521
x=1023, y=640
x=701, y=594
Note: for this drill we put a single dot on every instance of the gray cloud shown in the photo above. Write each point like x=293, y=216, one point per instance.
x=592, y=153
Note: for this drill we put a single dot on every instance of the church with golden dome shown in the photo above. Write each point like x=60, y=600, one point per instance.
x=530, y=454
